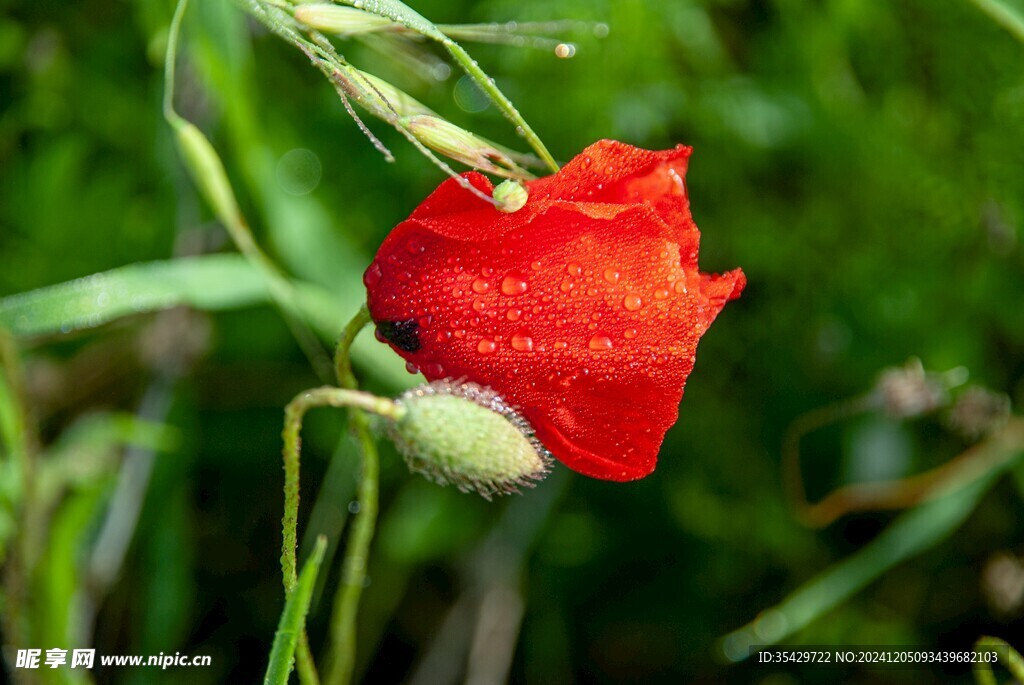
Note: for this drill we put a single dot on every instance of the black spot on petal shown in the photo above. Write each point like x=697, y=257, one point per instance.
x=405, y=335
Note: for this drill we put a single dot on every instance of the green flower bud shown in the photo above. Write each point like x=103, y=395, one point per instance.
x=461, y=145
x=510, y=196
x=466, y=435
x=344, y=21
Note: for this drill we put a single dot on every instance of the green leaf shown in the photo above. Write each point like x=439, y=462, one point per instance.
x=208, y=282
x=293, y=618
x=1007, y=15
x=912, y=533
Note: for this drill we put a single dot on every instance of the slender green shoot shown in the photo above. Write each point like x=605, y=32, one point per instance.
x=293, y=619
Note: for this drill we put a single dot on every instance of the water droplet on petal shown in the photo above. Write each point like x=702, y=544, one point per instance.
x=600, y=342
x=629, y=333
x=661, y=293
x=680, y=286
x=411, y=368
x=535, y=266
x=573, y=269
x=486, y=346
x=479, y=304
x=514, y=285
x=481, y=286
x=513, y=314
x=632, y=302
x=522, y=342
x=611, y=275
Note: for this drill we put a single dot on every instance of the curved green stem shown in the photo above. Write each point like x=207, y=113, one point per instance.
x=342, y=363
x=1011, y=658
x=208, y=173
x=294, y=412
x=350, y=587
x=297, y=408
x=353, y=577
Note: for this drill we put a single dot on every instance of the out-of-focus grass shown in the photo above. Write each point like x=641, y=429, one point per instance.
x=860, y=161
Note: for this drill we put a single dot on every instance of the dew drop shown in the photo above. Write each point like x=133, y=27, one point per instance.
x=486, y=346
x=629, y=333
x=479, y=304
x=433, y=370
x=486, y=272
x=661, y=293
x=535, y=266
x=680, y=286
x=411, y=368
x=600, y=342
x=632, y=302
x=481, y=286
x=415, y=247
x=573, y=269
x=443, y=336
x=513, y=314
x=566, y=286
x=560, y=345
x=521, y=342
x=514, y=285
x=611, y=275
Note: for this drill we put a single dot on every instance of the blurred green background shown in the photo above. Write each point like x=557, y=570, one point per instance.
x=860, y=160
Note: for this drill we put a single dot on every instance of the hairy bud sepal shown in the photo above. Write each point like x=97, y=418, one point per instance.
x=466, y=435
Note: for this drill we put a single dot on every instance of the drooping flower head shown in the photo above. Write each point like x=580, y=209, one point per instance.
x=582, y=309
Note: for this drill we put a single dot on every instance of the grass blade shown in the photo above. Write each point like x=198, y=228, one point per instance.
x=912, y=533
x=293, y=618
x=1006, y=15
x=208, y=282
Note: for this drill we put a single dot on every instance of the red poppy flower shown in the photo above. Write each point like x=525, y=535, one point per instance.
x=583, y=309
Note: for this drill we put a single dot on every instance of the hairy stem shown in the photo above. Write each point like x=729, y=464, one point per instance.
x=294, y=413
x=353, y=576
x=319, y=397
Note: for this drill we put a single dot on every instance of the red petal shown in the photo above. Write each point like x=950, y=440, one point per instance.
x=607, y=172
x=583, y=315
